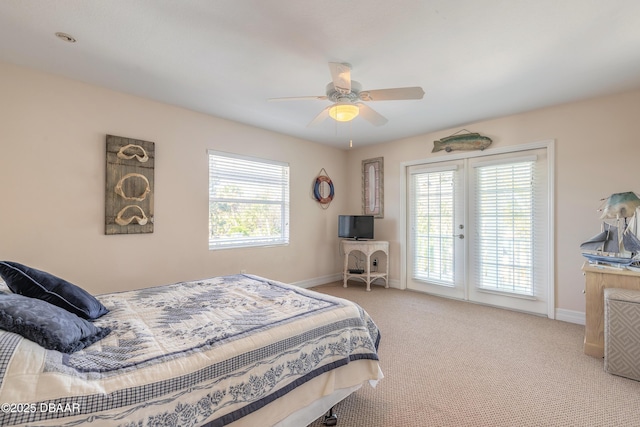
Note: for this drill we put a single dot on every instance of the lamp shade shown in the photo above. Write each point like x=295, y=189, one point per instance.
x=343, y=112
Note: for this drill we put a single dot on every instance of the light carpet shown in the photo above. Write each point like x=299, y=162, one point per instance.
x=454, y=363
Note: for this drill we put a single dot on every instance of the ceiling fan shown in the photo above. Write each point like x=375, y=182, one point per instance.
x=347, y=96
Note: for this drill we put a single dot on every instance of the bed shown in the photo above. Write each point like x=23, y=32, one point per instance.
x=237, y=350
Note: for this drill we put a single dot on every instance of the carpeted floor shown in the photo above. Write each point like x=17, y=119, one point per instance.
x=452, y=363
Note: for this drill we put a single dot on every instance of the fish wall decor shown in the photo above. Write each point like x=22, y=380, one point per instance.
x=467, y=141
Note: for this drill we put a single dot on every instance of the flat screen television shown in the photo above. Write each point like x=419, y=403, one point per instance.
x=358, y=227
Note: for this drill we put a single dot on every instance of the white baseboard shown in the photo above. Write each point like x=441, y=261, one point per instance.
x=309, y=283
x=570, y=316
x=395, y=284
x=317, y=281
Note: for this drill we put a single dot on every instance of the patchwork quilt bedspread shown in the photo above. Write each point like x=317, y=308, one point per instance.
x=186, y=354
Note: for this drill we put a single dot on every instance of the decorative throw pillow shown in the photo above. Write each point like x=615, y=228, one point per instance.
x=52, y=327
x=34, y=283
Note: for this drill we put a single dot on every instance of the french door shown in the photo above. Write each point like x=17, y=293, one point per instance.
x=437, y=219
x=478, y=229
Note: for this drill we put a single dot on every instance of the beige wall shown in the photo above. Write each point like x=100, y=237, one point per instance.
x=52, y=170
x=597, y=153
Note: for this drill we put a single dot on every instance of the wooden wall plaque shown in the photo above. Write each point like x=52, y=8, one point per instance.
x=129, y=186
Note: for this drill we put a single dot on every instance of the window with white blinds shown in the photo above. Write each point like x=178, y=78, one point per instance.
x=248, y=201
x=504, y=224
x=433, y=224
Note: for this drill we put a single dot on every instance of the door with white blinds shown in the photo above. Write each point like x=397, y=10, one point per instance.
x=509, y=245
x=498, y=230
x=436, y=223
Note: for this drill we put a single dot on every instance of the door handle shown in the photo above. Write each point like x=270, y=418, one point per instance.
x=459, y=236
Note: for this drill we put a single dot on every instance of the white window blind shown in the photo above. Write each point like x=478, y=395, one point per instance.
x=248, y=201
x=433, y=225
x=504, y=224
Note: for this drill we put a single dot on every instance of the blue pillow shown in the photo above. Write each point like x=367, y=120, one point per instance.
x=52, y=327
x=34, y=283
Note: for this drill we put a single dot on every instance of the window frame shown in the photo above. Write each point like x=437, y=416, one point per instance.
x=284, y=202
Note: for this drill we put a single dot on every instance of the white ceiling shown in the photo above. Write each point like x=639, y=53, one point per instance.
x=475, y=59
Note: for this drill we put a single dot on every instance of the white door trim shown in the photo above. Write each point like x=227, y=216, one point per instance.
x=402, y=222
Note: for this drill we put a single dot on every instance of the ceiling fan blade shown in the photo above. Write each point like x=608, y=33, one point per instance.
x=320, y=117
x=370, y=115
x=394, y=94
x=298, y=98
x=341, y=76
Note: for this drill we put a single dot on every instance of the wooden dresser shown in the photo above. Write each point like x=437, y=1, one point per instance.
x=598, y=278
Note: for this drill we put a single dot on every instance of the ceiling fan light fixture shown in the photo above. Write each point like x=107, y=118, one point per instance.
x=344, y=112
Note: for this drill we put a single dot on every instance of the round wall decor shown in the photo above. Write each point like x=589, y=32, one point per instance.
x=323, y=190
